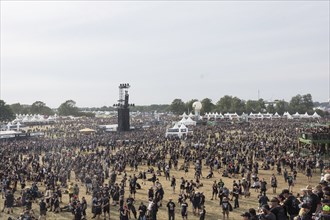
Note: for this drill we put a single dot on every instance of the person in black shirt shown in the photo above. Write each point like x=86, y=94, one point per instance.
x=142, y=211
x=253, y=214
x=277, y=209
x=173, y=184
x=43, y=209
x=130, y=205
x=263, y=199
x=9, y=201
x=235, y=195
x=106, y=206
x=263, y=185
x=202, y=213
x=273, y=182
x=214, y=190
x=291, y=204
x=311, y=199
x=151, y=193
x=97, y=203
x=124, y=213
x=171, y=210
x=154, y=210
x=84, y=206
x=184, y=210
x=196, y=201
x=78, y=211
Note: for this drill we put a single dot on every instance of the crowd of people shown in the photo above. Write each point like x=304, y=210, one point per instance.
x=92, y=175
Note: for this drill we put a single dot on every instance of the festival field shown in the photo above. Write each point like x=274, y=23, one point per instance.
x=213, y=210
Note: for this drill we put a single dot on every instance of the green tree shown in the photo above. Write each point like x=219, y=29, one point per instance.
x=237, y=105
x=6, y=113
x=281, y=106
x=261, y=106
x=224, y=104
x=251, y=106
x=20, y=109
x=296, y=105
x=40, y=107
x=270, y=108
x=255, y=106
x=207, y=106
x=178, y=106
x=68, y=108
x=308, y=103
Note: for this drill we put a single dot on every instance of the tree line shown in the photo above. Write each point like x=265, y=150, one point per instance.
x=298, y=103
x=8, y=112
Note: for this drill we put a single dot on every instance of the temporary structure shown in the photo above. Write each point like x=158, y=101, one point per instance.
x=189, y=121
x=315, y=115
x=177, y=131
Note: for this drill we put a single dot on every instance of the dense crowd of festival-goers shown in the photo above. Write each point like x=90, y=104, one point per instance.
x=36, y=174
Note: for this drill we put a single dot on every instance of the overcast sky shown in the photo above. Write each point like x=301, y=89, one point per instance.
x=82, y=50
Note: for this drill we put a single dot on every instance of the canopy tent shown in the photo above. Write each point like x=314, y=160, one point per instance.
x=183, y=120
x=276, y=115
x=315, y=115
x=177, y=131
x=189, y=121
x=35, y=119
x=306, y=115
x=296, y=115
x=268, y=115
x=184, y=115
x=287, y=115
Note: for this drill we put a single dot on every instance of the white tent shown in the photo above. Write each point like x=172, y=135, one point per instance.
x=183, y=120
x=268, y=115
x=177, y=131
x=183, y=128
x=315, y=115
x=306, y=115
x=189, y=121
x=287, y=115
x=276, y=115
x=296, y=115
x=184, y=115
x=244, y=115
x=176, y=126
x=191, y=115
x=259, y=115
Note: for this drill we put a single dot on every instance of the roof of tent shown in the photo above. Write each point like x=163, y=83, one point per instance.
x=183, y=120
x=189, y=120
x=182, y=126
x=184, y=115
x=176, y=126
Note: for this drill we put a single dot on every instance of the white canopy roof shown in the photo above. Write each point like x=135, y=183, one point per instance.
x=184, y=115
x=182, y=126
x=183, y=120
x=315, y=115
x=189, y=121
